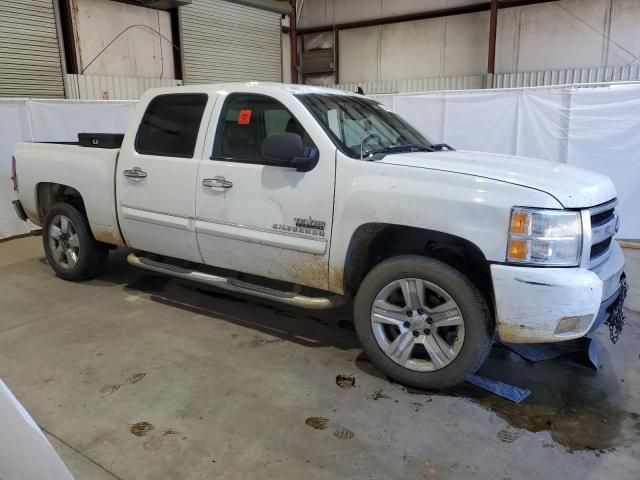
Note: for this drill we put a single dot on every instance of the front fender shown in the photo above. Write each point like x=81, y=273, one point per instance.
x=474, y=208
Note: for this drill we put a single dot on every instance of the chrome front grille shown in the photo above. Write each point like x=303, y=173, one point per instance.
x=603, y=223
x=599, y=248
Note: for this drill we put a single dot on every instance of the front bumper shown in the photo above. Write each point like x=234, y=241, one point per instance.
x=538, y=305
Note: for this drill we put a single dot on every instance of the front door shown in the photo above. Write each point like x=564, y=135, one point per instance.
x=156, y=176
x=258, y=218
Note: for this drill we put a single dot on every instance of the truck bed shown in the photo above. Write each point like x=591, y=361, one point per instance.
x=90, y=171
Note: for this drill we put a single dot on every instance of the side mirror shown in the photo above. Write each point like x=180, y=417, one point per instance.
x=287, y=150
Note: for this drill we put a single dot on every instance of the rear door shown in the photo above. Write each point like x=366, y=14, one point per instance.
x=156, y=175
x=258, y=218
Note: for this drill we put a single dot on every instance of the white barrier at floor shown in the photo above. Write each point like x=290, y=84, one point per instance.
x=25, y=453
x=595, y=128
x=24, y=120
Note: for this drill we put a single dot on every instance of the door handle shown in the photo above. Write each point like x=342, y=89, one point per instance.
x=217, y=182
x=135, y=172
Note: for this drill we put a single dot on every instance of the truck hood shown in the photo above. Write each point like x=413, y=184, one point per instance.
x=573, y=187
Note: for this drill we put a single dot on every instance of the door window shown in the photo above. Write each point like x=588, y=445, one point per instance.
x=171, y=124
x=245, y=121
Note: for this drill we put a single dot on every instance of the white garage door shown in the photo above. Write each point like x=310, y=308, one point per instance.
x=29, y=50
x=223, y=41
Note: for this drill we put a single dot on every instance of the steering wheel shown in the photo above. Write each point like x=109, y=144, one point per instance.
x=368, y=138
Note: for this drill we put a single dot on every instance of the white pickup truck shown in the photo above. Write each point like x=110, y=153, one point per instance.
x=311, y=196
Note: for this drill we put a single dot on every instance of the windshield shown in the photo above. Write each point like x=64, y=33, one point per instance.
x=360, y=126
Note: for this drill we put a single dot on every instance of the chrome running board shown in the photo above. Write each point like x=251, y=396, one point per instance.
x=238, y=286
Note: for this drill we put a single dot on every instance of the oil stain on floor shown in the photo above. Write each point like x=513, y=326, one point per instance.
x=576, y=405
x=582, y=410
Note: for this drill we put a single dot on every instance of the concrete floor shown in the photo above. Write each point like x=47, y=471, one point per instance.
x=238, y=389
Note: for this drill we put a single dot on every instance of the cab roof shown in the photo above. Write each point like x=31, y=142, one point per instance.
x=291, y=88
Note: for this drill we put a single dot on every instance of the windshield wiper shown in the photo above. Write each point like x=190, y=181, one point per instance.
x=401, y=148
x=439, y=147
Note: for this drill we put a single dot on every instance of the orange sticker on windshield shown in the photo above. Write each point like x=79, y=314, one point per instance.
x=244, y=117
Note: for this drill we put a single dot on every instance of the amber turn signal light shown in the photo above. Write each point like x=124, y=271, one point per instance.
x=520, y=222
x=518, y=250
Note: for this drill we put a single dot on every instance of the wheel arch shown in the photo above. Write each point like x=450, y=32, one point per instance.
x=372, y=243
x=48, y=194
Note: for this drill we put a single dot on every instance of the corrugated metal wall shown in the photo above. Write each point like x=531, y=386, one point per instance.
x=102, y=87
x=417, y=85
x=30, y=64
x=223, y=41
x=575, y=76
x=567, y=77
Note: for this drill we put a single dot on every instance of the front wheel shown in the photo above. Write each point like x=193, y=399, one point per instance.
x=69, y=245
x=422, y=322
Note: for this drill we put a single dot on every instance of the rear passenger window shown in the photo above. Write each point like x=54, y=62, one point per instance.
x=170, y=125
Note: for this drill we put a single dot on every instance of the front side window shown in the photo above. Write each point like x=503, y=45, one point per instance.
x=170, y=125
x=245, y=121
x=360, y=126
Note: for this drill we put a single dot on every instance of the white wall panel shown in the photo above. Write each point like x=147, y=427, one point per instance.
x=465, y=45
x=138, y=52
x=534, y=38
x=325, y=12
x=550, y=38
x=359, y=52
x=421, y=41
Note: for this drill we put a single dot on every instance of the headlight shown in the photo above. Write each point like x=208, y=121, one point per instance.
x=544, y=237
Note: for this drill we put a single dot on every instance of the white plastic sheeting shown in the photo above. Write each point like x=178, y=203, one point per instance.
x=25, y=453
x=23, y=120
x=591, y=127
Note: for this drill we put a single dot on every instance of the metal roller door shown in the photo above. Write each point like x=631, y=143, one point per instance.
x=30, y=63
x=223, y=41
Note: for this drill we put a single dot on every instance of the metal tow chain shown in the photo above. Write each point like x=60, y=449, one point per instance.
x=616, y=319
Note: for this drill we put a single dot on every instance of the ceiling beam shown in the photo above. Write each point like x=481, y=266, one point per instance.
x=277, y=6
x=445, y=12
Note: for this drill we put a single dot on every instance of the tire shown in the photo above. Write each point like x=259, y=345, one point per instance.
x=71, y=250
x=465, y=326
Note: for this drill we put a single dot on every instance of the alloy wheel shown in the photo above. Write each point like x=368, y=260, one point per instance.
x=64, y=242
x=417, y=324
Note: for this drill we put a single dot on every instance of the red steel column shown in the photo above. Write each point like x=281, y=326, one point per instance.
x=293, y=40
x=493, y=29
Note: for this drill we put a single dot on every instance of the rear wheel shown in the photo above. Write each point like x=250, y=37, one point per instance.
x=422, y=322
x=69, y=245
